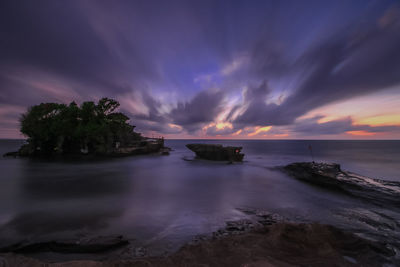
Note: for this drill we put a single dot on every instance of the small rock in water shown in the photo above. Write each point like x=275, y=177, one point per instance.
x=217, y=152
x=140, y=252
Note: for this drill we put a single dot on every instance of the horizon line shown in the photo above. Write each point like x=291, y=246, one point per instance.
x=243, y=139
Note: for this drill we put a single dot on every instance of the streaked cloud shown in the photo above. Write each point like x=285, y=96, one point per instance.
x=210, y=68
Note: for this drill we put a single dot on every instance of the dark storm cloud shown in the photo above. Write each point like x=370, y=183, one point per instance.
x=191, y=115
x=202, y=109
x=342, y=67
x=102, y=45
x=74, y=50
x=53, y=36
x=153, y=119
x=81, y=50
x=258, y=112
x=350, y=66
x=152, y=105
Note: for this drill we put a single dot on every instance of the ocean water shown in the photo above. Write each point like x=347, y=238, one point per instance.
x=161, y=202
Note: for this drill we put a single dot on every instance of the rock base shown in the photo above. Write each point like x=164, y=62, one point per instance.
x=279, y=244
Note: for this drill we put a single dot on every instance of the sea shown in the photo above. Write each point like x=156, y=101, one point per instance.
x=161, y=202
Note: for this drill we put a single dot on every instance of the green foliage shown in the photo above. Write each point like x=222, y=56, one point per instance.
x=60, y=128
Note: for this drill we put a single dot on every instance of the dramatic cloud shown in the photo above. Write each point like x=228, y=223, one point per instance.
x=202, y=109
x=259, y=112
x=341, y=67
x=340, y=126
x=204, y=68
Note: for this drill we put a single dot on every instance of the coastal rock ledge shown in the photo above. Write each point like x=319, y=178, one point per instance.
x=331, y=176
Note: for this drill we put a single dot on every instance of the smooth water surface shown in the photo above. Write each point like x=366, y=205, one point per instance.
x=163, y=201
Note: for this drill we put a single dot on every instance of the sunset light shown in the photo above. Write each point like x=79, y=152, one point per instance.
x=212, y=133
x=260, y=130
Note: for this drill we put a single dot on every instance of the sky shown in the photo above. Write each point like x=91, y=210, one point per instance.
x=209, y=69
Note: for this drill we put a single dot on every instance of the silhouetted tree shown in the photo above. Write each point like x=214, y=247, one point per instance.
x=60, y=128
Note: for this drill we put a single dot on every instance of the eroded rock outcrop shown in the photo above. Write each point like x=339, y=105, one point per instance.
x=217, y=152
x=330, y=175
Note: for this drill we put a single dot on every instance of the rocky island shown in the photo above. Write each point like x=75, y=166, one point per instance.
x=217, y=152
x=89, y=129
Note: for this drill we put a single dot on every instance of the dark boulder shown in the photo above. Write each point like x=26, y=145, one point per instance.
x=85, y=245
x=217, y=152
x=11, y=154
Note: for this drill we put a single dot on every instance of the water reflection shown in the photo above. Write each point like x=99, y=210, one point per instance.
x=48, y=222
x=164, y=199
x=42, y=180
x=62, y=200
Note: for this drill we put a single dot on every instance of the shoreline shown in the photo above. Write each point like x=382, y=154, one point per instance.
x=260, y=237
x=270, y=241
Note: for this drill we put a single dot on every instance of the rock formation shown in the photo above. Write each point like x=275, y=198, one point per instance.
x=84, y=245
x=330, y=175
x=279, y=244
x=217, y=152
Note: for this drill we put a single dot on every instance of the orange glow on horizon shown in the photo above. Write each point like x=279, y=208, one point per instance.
x=361, y=133
x=281, y=135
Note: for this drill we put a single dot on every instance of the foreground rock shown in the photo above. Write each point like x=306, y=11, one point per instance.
x=13, y=154
x=331, y=176
x=279, y=244
x=85, y=245
x=217, y=152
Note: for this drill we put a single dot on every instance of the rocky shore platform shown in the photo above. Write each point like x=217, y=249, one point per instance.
x=331, y=176
x=265, y=239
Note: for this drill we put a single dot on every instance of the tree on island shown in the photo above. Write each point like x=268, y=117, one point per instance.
x=54, y=128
